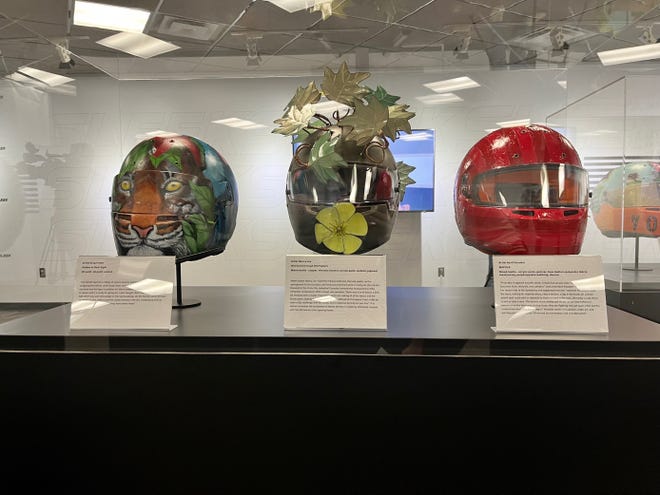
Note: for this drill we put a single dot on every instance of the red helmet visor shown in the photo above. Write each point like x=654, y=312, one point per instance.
x=544, y=185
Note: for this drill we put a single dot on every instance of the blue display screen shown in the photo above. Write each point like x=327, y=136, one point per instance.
x=418, y=150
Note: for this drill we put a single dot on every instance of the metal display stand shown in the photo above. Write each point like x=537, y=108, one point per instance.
x=636, y=267
x=181, y=303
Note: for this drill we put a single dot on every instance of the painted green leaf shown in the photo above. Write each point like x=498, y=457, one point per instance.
x=367, y=121
x=173, y=155
x=189, y=236
x=344, y=86
x=135, y=156
x=383, y=96
x=196, y=232
x=398, y=120
x=204, y=197
x=305, y=95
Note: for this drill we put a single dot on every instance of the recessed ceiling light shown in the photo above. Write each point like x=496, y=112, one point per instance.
x=45, y=77
x=138, y=44
x=513, y=123
x=239, y=123
x=158, y=133
x=452, y=84
x=632, y=54
x=439, y=99
x=563, y=84
x=105, y=16
x=293, y=5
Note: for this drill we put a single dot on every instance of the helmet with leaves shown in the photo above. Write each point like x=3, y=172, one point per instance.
x=344, y=186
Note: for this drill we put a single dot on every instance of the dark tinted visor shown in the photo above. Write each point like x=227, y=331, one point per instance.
x=545, y=185
x=356, y=183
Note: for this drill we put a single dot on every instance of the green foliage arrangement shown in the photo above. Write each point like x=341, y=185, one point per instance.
x=371, y=113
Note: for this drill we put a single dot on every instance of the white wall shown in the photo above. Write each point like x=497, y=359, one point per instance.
x=93, y=130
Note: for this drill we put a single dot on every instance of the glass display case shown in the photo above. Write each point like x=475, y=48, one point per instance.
x=616, y=128
x=438, y=394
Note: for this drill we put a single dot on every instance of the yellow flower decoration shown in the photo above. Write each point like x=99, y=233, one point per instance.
x=338, y=227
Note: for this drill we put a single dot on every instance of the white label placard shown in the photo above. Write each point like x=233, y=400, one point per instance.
x=335, y=292
x=539, y=293
x=123, y=292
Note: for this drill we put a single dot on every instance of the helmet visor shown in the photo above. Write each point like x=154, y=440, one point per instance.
x=544, y=185
x=356, y=183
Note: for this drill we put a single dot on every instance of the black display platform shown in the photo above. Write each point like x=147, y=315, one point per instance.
x=229, y=401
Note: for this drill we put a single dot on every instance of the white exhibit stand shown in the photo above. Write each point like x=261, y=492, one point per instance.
x=549, y=294
x=123, y=292
x=335, y=292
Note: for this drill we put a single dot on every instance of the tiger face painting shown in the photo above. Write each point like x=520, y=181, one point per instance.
x=174, y=196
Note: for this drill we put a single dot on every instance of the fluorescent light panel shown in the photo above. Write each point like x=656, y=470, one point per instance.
x=138, y=44
x=632, y=54
x=513, y=123
x=104, y=16
x=45, y=77
x=563, y=84
x=455, y=84
x=293, y=5
x=158, y=133
x=439, y=99
x=239, y=123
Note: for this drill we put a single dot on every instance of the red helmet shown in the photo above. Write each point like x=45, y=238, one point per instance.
x=522, y=190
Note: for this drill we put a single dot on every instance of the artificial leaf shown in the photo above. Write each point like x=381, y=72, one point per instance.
x=295, y=120
x=344, y=85
x=311, y=128
x=301, y=137
x=367, y=121
x=383, y=96
x=398, y=117
x=324, y=6
x=305, y=95
x=403, y=171
x=324, y=160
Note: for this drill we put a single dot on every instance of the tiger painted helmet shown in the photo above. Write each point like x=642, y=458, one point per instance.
x=174, y=195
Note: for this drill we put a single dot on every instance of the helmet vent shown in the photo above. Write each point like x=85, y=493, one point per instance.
x=524, y=213
x=570, y=213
